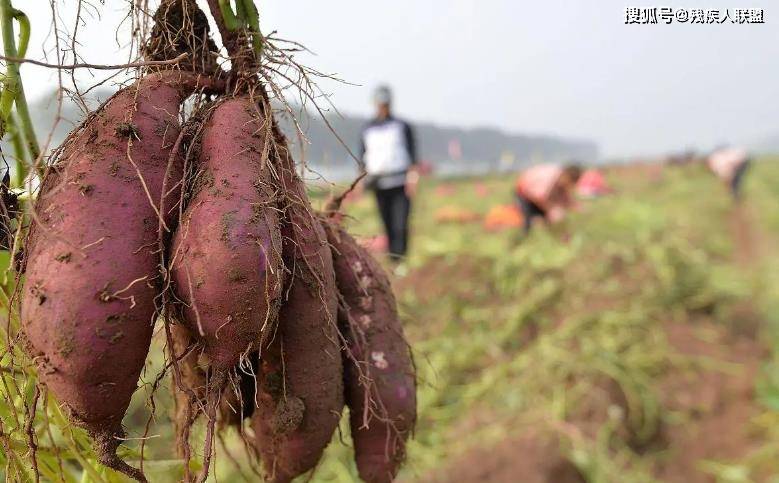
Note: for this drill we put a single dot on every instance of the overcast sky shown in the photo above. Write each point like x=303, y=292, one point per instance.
x=570, y=68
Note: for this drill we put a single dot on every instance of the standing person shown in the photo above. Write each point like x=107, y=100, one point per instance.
x=730, y=164
x=545, y=191
x=388, y=153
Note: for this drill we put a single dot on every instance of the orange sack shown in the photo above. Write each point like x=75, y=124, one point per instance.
x=503, y=216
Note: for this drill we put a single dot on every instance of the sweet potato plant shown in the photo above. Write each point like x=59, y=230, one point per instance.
x=176, y=208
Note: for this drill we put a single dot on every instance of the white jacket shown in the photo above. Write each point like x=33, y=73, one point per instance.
x=388, y=151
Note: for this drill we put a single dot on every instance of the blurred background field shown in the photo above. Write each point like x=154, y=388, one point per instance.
x=638, y=343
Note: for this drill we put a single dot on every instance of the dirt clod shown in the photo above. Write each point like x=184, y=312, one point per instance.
x=288, y=415
x=127, y=130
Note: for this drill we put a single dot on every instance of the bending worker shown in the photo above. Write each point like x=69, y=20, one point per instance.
x=546, y=192
x=730, y=164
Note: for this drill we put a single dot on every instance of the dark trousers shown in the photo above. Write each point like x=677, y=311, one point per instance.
x=529, y=211
x=738, y=179
x=395, y=207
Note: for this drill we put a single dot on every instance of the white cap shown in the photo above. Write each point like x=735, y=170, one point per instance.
x=382, y=95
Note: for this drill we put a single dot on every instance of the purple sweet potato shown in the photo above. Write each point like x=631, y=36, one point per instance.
x=226, y=256
x=301, y=391
x=378, y=371
x=92, y=263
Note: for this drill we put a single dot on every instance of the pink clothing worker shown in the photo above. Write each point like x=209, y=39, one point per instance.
x=545, y=191
x=730, y=164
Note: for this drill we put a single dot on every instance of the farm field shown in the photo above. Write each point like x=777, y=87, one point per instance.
x=642, y=349
x=637, y=343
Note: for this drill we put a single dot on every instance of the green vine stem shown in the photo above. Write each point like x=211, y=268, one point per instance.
x=228, y=16
x=13, y=89
x=24, y=31
x=20, y=153
x=252, y=18
x=246, y=16
x=240, y=11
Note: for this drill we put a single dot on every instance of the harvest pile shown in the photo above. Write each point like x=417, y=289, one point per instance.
x=197, y=221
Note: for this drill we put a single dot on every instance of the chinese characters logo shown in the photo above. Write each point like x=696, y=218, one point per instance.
x=668, y=15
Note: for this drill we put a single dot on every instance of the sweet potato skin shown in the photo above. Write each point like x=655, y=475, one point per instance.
x=301, y=391
x=301, y=394
x=92, y=274
x=227, y=266
x=377, y=351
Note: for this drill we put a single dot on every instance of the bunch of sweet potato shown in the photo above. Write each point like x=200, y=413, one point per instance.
x=272, y=311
